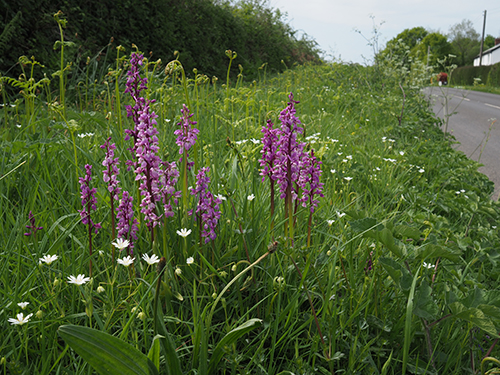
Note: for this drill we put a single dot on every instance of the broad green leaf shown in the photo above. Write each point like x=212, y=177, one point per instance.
x=385, y=236
x=407, y=330
x=173, y=364
x=105, y=353
x=436, y=251
x=392, y=267
x=229, y=339
x=406, y=231
x=363, y=225
x=474, y=316
x=398, y=273
x=424, y=306
x=154, y=351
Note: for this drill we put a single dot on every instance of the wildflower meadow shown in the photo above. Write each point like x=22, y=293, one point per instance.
x=316, y=221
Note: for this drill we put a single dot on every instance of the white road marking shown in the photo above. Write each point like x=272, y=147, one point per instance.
x=491, y=105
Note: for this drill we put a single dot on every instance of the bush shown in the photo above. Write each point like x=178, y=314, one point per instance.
x=201, y=30
x=494, y=76
x=465, y=75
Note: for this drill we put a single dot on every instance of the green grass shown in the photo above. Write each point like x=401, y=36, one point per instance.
x=482, y=88
x=360, y=298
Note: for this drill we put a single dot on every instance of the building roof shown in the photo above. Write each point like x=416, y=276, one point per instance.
x=490, y=50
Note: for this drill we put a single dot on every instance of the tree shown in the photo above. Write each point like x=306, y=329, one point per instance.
x=489, y=42
x=465, y=42
x=408, y=38
x=438, y=46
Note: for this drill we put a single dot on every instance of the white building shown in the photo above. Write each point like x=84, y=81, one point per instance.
x=490, y=56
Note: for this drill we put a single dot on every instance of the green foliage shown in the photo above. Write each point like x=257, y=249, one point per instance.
x=465, y=75
x=105, y=353
x=437, y=45
x=410, y=38
x=10, y=30
x=465, y=41
x=493, y=79
x=201, y=30
x=405, y=239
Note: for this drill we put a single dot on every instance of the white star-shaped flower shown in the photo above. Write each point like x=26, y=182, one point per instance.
x=184, y=232
x=190, y=260
x=79, y=280
x=151, y=260
x=127, y=261
x=340, y=214
x=221, y=197
x=251, y=197
x=348, y=178
x=120, y=243
x=421, y=170
x=23, y=305
x=48, y=259
x=330, y=222
x=20, y=319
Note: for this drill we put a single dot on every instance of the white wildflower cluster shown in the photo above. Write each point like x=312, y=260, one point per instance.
x=83, y=135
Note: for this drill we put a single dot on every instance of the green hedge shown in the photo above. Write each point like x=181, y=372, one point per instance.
x=465, y=75
x=494, y=76
x=201, y=30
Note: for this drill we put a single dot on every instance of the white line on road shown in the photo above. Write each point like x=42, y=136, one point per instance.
x=491, y=105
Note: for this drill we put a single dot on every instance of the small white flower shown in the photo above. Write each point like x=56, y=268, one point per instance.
x=150, y=260
x=254, y=141
x=494, y=226
x=184, y=232
x=221, y=197
x=330, y=222
x=348, y=178
x=79, y=280
x=333, y=170
x=21, y=319
x=167, y=120
x=344, y=160
x=335, y=140
x=190, y=260
x=421, y=170
x=19, y=126
x=251, y=197
x=401, y=153
x=120, y=243
x=339, y=153
x=127, y=261
x=178, y=271
x=100, y=289
x=23, y=305
x=428, y=265
x=340, y=214
x=462, y=191
x=457, y=192
x=349, y=157
x=47, y=259
x=391, y=140
x=384, y=139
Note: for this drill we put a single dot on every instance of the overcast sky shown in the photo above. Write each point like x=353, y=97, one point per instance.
x=332, y=23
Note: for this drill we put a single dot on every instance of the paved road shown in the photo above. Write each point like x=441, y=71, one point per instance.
x=473, y=125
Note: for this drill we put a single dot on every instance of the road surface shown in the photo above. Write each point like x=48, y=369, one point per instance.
x=474, y=120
